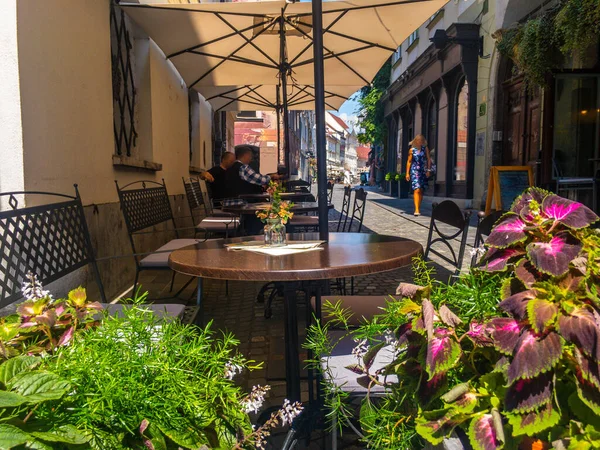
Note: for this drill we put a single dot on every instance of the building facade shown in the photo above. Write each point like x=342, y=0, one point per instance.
x=433, y=92
x=476, y=110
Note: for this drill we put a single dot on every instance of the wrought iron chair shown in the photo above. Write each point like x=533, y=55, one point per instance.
x=448, y=213
x=358, y=210
x=484, y=228
x=50, y=241
x=330, y=187
x=146, y=204
x=212, y=223
x=344, y=212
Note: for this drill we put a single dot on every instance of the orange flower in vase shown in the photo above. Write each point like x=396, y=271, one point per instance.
x=276, y=216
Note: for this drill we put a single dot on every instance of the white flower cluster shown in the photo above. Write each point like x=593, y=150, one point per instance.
x=255, y=399
x=32, y=289
x=285, y=416
x=232, y=369
x=478, y=252
x=360, y=350
x=289, y=411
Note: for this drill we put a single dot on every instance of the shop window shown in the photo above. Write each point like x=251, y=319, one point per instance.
x=576, y=120
x=461, y=131
x=413, y=37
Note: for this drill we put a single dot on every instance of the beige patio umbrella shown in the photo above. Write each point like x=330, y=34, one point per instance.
x=240, y=44
x=265, y=97
x=250, y=45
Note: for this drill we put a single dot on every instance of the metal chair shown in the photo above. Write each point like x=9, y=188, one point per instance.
x=563, y=183
x=448, y=213
x=51, y=240
x=146, y=204
x=358, y=210
x=212, y=223
x=484, y=228
x=330, y=187
x=345, y=208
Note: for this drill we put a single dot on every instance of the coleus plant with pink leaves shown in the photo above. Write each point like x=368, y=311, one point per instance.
x=42, y=324
x=532, y=371
x=544, y=356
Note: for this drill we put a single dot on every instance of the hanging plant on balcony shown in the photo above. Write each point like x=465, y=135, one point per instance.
x=533, y=48
x=578, y=25
x=539, y=45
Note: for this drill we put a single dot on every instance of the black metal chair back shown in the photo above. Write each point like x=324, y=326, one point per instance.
x=345, y=211
x=330, y=192
x=450, y=214
x=358, y=210
x=194, y=197
x=49, y=240
x=144, y=205
x=206, y=196
x=485, y=225
x=484, y=228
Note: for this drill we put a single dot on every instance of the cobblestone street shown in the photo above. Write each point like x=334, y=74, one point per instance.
x=261, y=339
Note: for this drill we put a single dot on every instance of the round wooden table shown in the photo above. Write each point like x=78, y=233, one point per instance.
x=345, y=255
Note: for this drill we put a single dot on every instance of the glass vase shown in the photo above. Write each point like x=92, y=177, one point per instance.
x=274, y=233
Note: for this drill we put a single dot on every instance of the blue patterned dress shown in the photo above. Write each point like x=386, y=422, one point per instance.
x=418, y=168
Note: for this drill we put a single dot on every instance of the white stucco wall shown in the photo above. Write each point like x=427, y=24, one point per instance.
x=67, y=110
x=11, y=136
x=454, y=11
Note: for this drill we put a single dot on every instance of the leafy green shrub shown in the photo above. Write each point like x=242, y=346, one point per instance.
x=132, y=382
x=530, y=373
x=140, y=381
x=24, y=388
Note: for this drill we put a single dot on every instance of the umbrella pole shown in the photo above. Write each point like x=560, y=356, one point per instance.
x=283, y=78
x=317, y=11
x=278, y=112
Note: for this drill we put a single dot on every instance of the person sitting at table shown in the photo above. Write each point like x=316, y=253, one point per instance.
x=216, y=176
x=240, y=178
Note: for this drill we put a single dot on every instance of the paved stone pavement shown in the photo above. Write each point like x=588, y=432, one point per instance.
x=261, y=339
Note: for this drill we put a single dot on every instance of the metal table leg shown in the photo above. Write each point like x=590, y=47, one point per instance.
x=292, y=354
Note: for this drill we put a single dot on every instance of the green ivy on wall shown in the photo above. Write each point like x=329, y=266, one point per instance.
x=373, y=120
x=541, y=43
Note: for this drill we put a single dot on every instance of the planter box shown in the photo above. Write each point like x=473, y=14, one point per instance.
x=394, y=188
x=403, y=188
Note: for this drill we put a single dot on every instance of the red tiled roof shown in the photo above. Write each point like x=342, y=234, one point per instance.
x=340, y=121
x=362, y=152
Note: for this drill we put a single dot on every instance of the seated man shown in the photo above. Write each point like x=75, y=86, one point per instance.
x=240, y=178
x=216, y=176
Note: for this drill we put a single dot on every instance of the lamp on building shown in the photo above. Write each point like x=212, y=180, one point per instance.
x=441, y=39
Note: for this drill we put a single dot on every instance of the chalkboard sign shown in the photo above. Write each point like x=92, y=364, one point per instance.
x=506, y=184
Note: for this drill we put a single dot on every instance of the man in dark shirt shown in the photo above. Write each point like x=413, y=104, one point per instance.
x=241, y=178
x=216, y=176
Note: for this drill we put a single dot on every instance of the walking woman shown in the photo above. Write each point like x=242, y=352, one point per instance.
x=418, y=169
